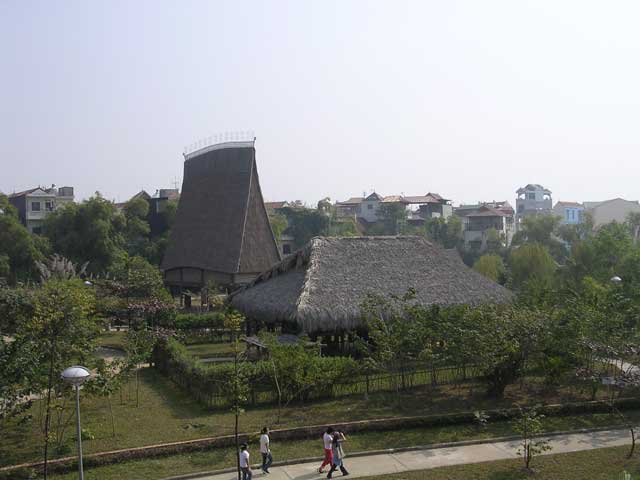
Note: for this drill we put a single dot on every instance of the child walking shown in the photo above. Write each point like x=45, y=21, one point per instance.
x=245, y=466
x=338, y=454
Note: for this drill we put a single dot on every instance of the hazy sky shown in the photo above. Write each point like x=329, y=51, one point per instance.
x=468, y=99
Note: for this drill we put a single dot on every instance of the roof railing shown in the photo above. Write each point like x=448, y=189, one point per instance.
x=220, y=138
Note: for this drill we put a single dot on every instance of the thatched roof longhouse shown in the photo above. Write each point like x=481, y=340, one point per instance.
x=322, y=286
x=221, y=231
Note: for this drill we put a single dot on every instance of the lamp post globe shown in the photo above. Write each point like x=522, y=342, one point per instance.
x=615, y=279
x=76, y=376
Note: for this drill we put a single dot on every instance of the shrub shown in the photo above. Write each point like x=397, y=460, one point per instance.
x=192, y=321
x=209, y=383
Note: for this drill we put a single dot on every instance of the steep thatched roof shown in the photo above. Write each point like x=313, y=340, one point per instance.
x=322, y=286
x=221, y=223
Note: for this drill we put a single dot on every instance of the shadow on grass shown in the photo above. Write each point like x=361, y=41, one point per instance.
x=180, y=403
x=511, y=474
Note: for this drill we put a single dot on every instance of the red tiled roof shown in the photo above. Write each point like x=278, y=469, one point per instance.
x=488, y=212
x=24, y=192
x=352, y=201
x=428, y=198
x=394, y=199
x=275, y=205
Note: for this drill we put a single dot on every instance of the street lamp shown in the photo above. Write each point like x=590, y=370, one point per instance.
x=76, y=376
x=616, y=279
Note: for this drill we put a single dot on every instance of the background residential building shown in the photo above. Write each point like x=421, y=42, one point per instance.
x=36, y=204
x=616, y=209
x=158, y=206
x=419, y=208
x=532, y=199
x=570, y=213
x=369, y=207
x=275, y=207
x=479, y=220
x=349, y=208
x=427, y=206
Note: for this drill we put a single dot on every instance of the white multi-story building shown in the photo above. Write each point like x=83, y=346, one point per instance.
x=36, y=204
x=419, y=208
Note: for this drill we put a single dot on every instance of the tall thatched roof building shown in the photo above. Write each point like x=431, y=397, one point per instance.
x=221, y=231
x=322, y=286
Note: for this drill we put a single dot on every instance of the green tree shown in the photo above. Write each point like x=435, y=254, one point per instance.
x=6, y=207
x=394, y=334
x=19, y=250
x=140, y=292
x=501, y=339
x=16, y=307
x=573, y=235
x=305, y=223
x=491, y=266
x=108, y=379
x=447, y=233
x=601, y=255
x=136, y=230
x=160, y=237
x=278, y=224
x=633, y=221
x=529, y=424
x=495, y=242
x=541, y=229
x=18, y=368
x=89, y=231
x=393, y=217
x=139, y=277
x=61, y=333
x=5, y=267
x=345, y=227
x=295, y=369
x=237, y=388
x=138, y=345
x=531, y=262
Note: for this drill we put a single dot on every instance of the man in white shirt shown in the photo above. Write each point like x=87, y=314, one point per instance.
x=245, y=467
x=265, y=450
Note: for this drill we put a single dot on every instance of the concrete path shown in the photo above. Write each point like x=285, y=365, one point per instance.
x=387, y=463
x=109, y=354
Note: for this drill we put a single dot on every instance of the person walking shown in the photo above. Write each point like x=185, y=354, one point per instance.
x=327, y=440
x=338, y=454
x=265, y=450
x=245, y=466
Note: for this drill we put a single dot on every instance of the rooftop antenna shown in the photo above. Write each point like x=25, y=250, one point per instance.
x=175, y=182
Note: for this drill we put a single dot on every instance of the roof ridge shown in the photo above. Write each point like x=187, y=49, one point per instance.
x=264, y=210
x=308, y=251
x=246, y=214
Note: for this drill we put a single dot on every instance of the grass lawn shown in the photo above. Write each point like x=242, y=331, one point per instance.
x=601, y=464
x=221, y=458
x=209, y=350
x=167, y=414
x=112, y=339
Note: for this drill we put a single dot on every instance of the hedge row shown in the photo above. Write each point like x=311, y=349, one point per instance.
x=211, y=384
x=192, y=321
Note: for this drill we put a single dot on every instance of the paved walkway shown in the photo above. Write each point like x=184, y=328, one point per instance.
x=439, y=457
